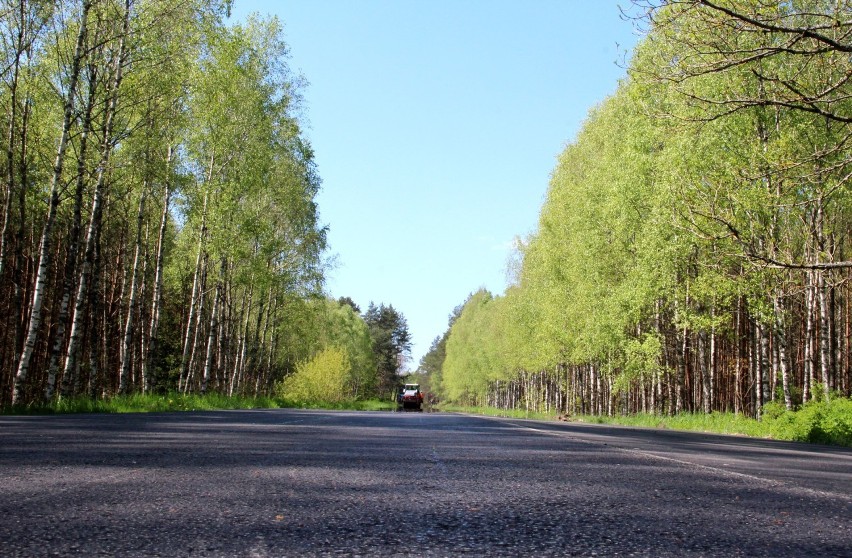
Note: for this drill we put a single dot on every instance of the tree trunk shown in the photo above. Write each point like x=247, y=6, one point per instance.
x=190, y=366
x=705, y=372
x=781, y=343
x=214, y=326
x=256, y=341
x=847, y=352
x=21, y=268
x=810, y=311
x=680, y=379
x=126, y=351
x=239, y=362
x=712, y=390
x=824, y=334
x=73, y=251
x=47, y=232
x=836, y=340
x=138, y=371
x=738, y=359
x=158, y=279
x=195, y=295
x=762, y=369
x=10, y=143
x=95, y=220
x=96, y=309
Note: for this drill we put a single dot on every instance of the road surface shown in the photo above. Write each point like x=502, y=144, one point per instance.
x=314, y=483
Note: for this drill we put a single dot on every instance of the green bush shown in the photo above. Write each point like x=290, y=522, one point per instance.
x=323, y=379
x=818, y=422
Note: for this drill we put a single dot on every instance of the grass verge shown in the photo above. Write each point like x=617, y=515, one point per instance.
x=365, y=405
x=494, y=412
x=819, y=422
x=147, y=403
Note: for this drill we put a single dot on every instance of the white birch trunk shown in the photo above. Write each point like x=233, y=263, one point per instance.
x=239, y=362
x=139, y=371
x=763, y=368
x=158, y=279
x=809, y=380
x=824, y=334
x=705, y=372
x=73, y=251
x=190, y=366
x=47, y=232
x=738, y=361
x=126, y=350
x=712, y=392
x=93, y=232
x=836, y=340
x=214, y=326
x=195, y=295
x=781, y=342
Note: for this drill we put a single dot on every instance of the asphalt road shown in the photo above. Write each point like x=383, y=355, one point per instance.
x=311, y=483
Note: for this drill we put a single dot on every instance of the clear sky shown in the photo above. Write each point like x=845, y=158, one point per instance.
x=436, y=125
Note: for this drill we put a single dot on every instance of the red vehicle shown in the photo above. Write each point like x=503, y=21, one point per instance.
x=410, y=397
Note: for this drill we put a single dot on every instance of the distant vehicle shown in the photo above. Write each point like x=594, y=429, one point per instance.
x=409, y=398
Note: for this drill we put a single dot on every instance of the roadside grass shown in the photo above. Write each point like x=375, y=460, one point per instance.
x=148, y=403
x=817, y=422
x=718, y=423
x=360, y=405
x=495, y=412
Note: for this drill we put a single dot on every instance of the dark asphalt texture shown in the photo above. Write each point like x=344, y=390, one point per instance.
x=271, y=483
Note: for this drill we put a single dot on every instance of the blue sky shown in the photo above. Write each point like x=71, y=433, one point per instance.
x=436, y=125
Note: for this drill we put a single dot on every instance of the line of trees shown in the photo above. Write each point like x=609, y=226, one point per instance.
x=693, y=252
x=354, y=356
x=159, y=229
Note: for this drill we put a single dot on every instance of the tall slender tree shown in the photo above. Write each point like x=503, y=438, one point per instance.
x=45, y=249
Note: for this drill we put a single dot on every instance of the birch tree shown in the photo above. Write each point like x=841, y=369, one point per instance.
x=53, y=203
x=165, y=111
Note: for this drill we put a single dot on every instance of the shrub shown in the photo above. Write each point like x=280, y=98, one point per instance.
x=322, y=379
x=819, y=422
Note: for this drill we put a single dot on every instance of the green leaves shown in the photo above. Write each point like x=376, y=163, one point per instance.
x=680, y=224
x=323, y=378
x=391, y=344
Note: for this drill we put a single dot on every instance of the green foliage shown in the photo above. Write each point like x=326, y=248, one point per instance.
x=466, y=366
x=494, y=412
x=322, y=379
x=337, y=324
x=641, y=360
x=151, y=403
x=719, y=423
x=144, y=403
x=348, y=405
x=391, y=345
x=819, y=422
x=432, y=363
x=684, y=223
x=600, y=260
x=431, y=368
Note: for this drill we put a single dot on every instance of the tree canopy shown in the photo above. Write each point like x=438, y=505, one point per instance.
x=180, y=248
x=391, y=344
x=692, y=251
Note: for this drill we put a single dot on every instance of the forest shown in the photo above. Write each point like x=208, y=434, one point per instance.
x=160, y=231
x=693, y=252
